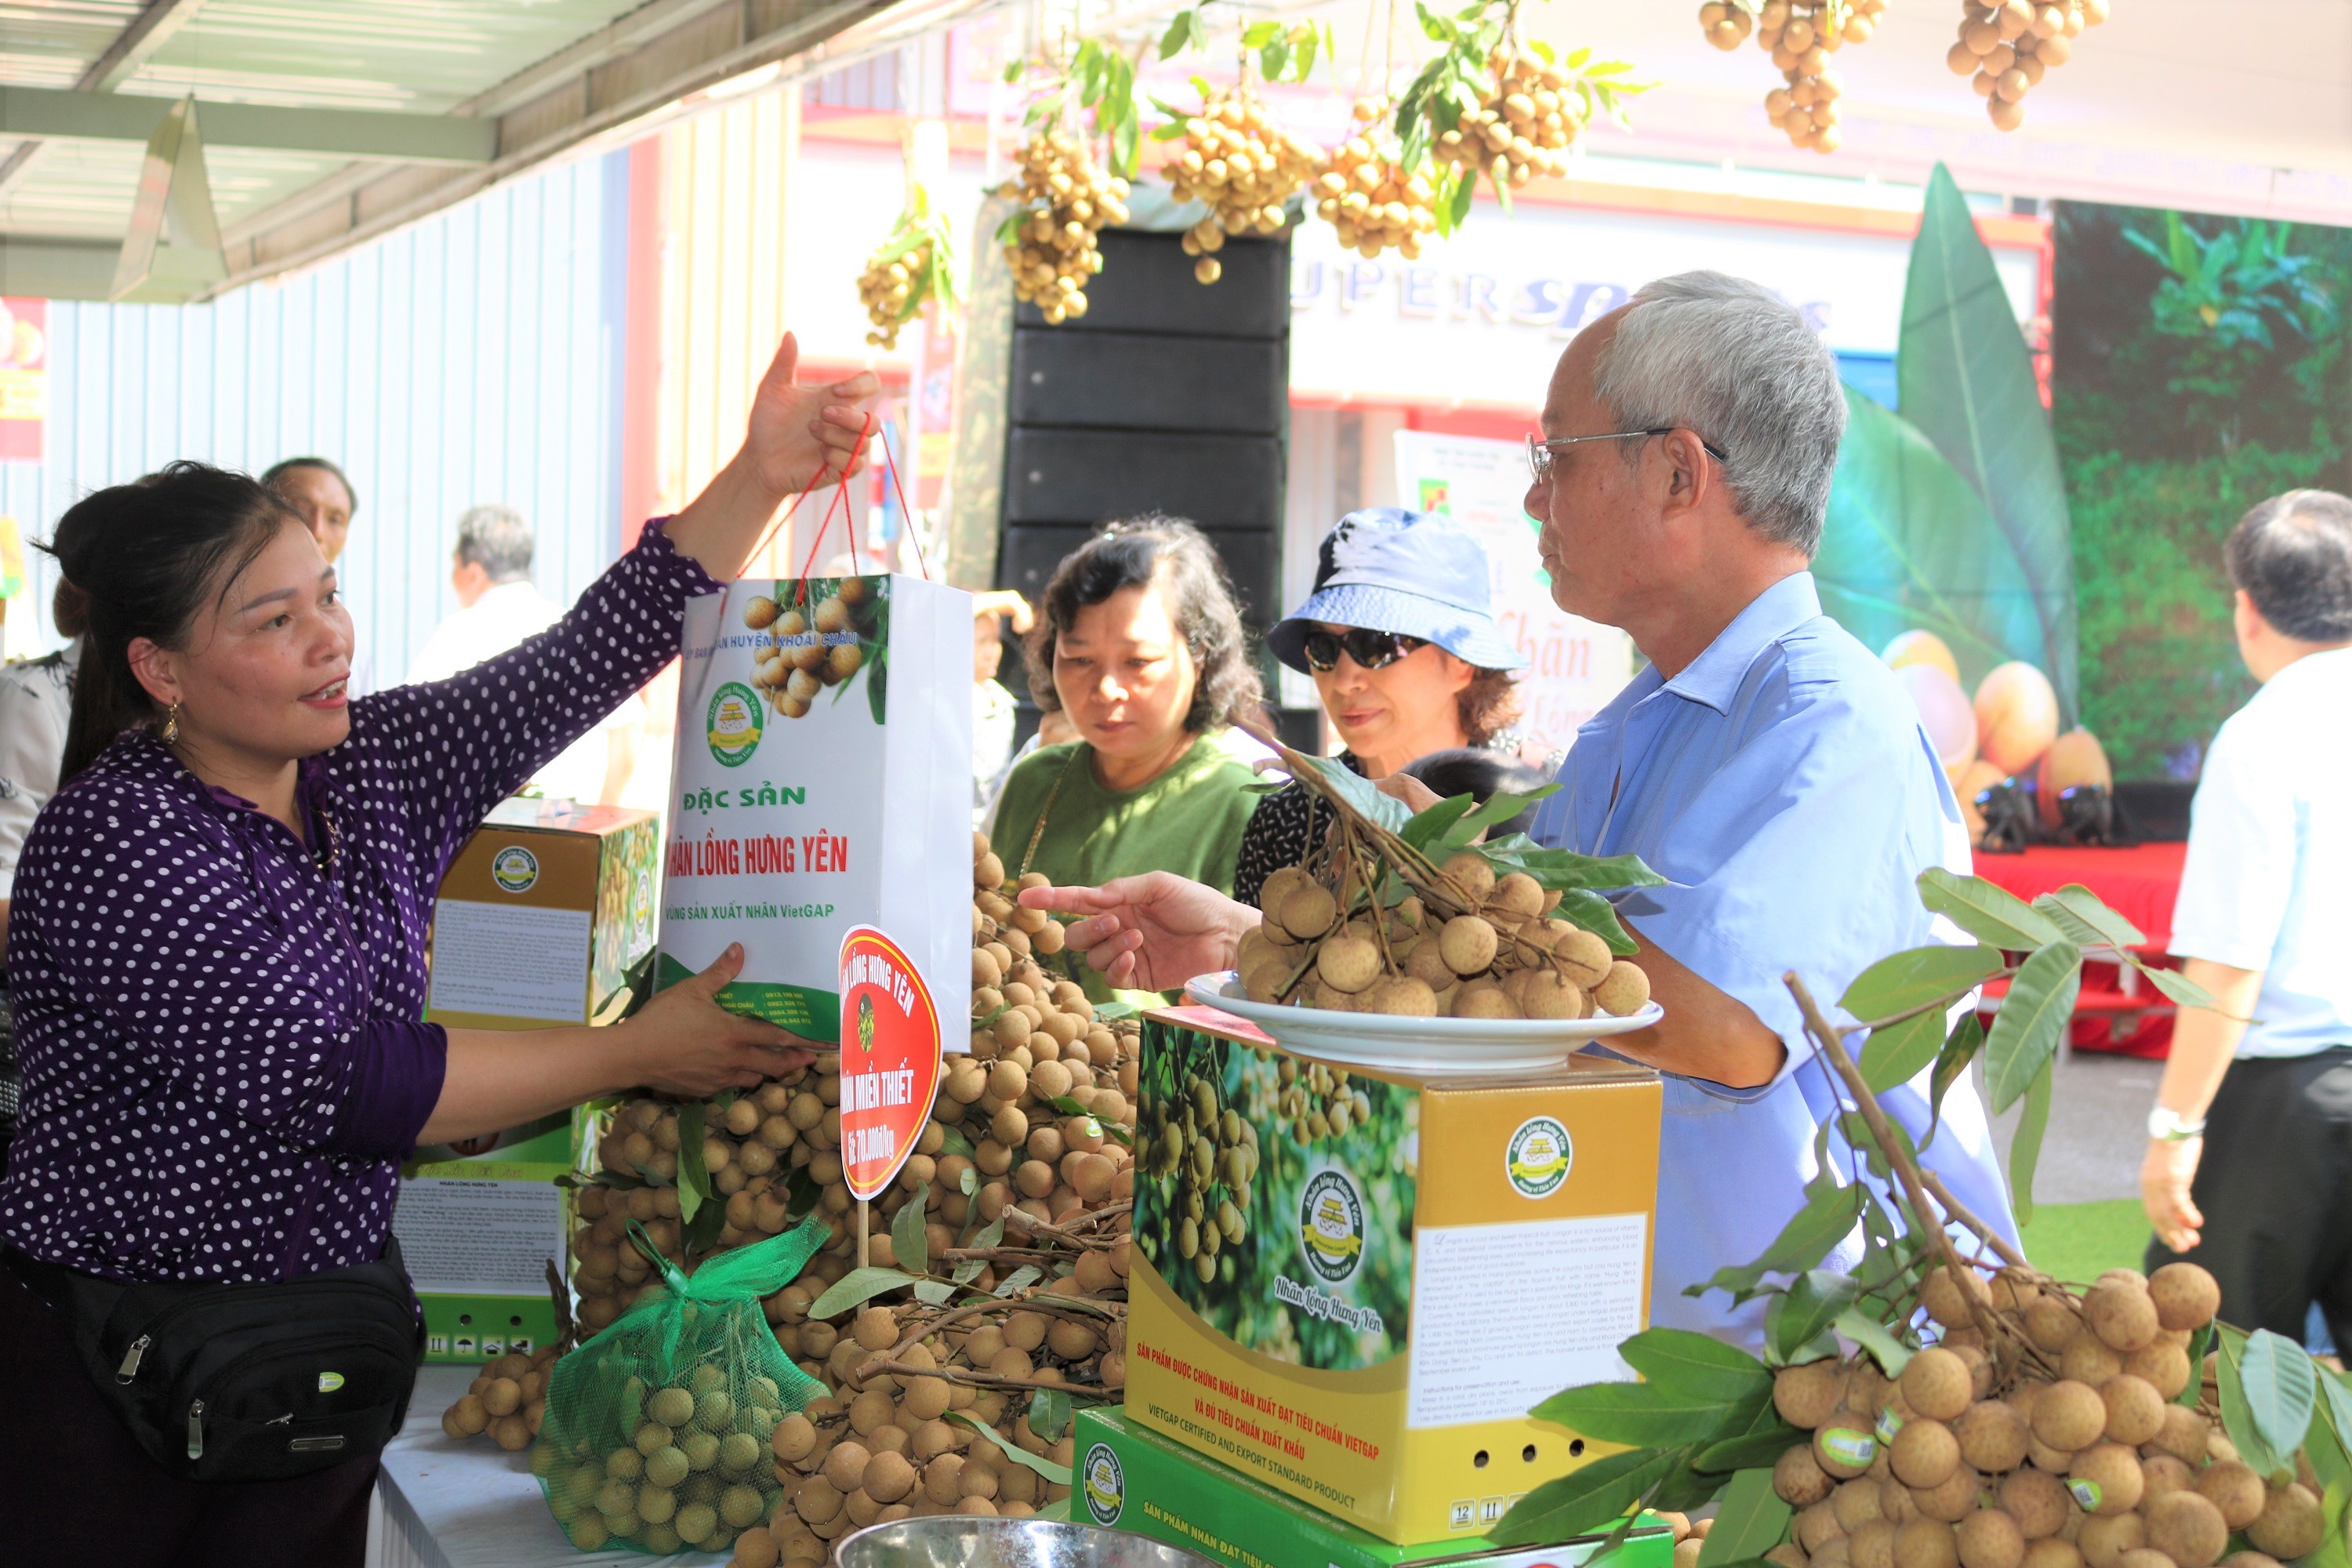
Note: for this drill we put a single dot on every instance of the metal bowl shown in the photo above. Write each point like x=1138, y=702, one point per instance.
x=963, y=1541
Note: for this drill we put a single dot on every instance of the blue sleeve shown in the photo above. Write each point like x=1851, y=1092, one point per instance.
x=1780, y=862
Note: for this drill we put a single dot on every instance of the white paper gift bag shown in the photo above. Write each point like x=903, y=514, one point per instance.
x=823, y=780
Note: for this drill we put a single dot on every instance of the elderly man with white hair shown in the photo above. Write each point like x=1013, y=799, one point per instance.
x=1763, y=763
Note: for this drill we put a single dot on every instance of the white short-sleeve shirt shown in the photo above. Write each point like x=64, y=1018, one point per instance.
x=2268, y=884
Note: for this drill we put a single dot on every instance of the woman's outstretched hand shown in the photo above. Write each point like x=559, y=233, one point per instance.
x=1150, y=932
x=799, y=436
x=684, y=1042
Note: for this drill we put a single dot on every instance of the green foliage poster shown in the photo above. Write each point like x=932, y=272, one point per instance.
x=2198, y=366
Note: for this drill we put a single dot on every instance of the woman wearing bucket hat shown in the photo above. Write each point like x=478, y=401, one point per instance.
x=1405, y=654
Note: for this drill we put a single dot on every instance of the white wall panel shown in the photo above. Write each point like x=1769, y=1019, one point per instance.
x=471, y=358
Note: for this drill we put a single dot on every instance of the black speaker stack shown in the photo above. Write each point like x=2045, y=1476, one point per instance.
x=1167, y=395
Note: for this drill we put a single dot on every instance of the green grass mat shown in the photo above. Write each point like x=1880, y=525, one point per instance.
x=2078, y=1241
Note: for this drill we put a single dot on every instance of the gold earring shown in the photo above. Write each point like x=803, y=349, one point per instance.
x=172, y=724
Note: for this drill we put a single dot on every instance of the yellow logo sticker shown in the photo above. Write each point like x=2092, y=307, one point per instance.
x=1537, y=1158
x=1331, y=1224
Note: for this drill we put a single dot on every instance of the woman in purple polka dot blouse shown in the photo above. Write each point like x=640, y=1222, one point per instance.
x=216, y=946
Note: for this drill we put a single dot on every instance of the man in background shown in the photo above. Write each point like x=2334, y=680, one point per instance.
x=995, y=714
x=2249, y=1142
x=323, y=496
x=498, y=606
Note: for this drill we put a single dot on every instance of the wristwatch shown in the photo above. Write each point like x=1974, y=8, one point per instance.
x=2167, y=1126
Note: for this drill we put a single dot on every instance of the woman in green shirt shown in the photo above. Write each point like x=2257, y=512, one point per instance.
x=1142, y=648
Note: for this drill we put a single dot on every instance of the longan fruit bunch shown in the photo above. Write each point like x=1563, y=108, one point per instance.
x=2006, y=46
x=692, y=1471
x=1212, y=1149
x=508, y=1400
x=889, y=290
x=1366, y=194
x=1523, y=130
x=810, y=647
x=1067, y=198
x=882, y=1444
x=1801, y=36
x=2056, y=1445
x=1510, y=959
x=1234, y=158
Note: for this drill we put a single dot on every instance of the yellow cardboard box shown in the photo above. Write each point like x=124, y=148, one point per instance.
x=1352, y=1285
x=540, y=917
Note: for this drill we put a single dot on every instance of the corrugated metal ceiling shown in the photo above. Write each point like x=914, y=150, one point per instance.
x=343, y=128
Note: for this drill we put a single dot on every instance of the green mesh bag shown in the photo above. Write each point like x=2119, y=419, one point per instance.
x=655, y=1434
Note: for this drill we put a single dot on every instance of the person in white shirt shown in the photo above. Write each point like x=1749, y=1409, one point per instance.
x=2249, y=1159
x=36, y=701
x=323, y=496
x=500, y=608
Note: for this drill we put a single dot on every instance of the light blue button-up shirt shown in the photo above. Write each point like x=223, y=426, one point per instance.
x=1784, y=788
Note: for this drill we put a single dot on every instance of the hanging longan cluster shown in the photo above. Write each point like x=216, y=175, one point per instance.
x=1070, y=198
x=1244, y=166
x=888, y=288
x=1365, y=193
x=1212, y=1149
x=1502, y=957
x=692, y=1471
x=1801, y=36
x=1524, y=130
x=508, y=1401
x=813, y=647
x=2007, y=47
x=2056, y=1443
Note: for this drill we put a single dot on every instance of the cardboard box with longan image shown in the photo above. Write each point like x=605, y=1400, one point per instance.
x=540, y=917
x=1126, y=1478
x=1352, y=1285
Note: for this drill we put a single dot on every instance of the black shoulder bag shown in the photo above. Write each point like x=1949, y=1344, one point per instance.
x=247, y=1382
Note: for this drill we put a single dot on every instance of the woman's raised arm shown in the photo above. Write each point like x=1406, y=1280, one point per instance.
x=797, y=439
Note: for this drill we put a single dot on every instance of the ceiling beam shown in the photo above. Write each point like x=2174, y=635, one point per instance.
x=56, y=115
x=43, y=269
x=147, y=32
x=609, y=86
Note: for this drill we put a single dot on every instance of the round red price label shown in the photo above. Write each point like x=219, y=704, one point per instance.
x=889, y=1059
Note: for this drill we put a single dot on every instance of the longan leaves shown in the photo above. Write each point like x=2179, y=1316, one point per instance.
x=856, y=1287
x=1920, y=977
x=2032, y=1018
x=1831, y=1212
x=1752, y=1521
x=1651, y=1414
x=1697, y=1364
x=1800, y=1315
x=1994, y=915
x=1057, y=1474
x=908, y=1244
x=2025, y=1145
x=1584, y=1500
x=1960, y=1048
x=2280, y=1385
x=693, y=1176
x=1049, y=1413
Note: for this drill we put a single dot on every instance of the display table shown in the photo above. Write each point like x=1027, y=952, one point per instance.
x=2117, y=1011
x=445, y=1504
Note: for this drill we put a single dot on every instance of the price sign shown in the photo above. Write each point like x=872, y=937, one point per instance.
x=889, y=1060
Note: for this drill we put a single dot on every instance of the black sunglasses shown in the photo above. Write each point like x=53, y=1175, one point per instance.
x=1372, y=649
